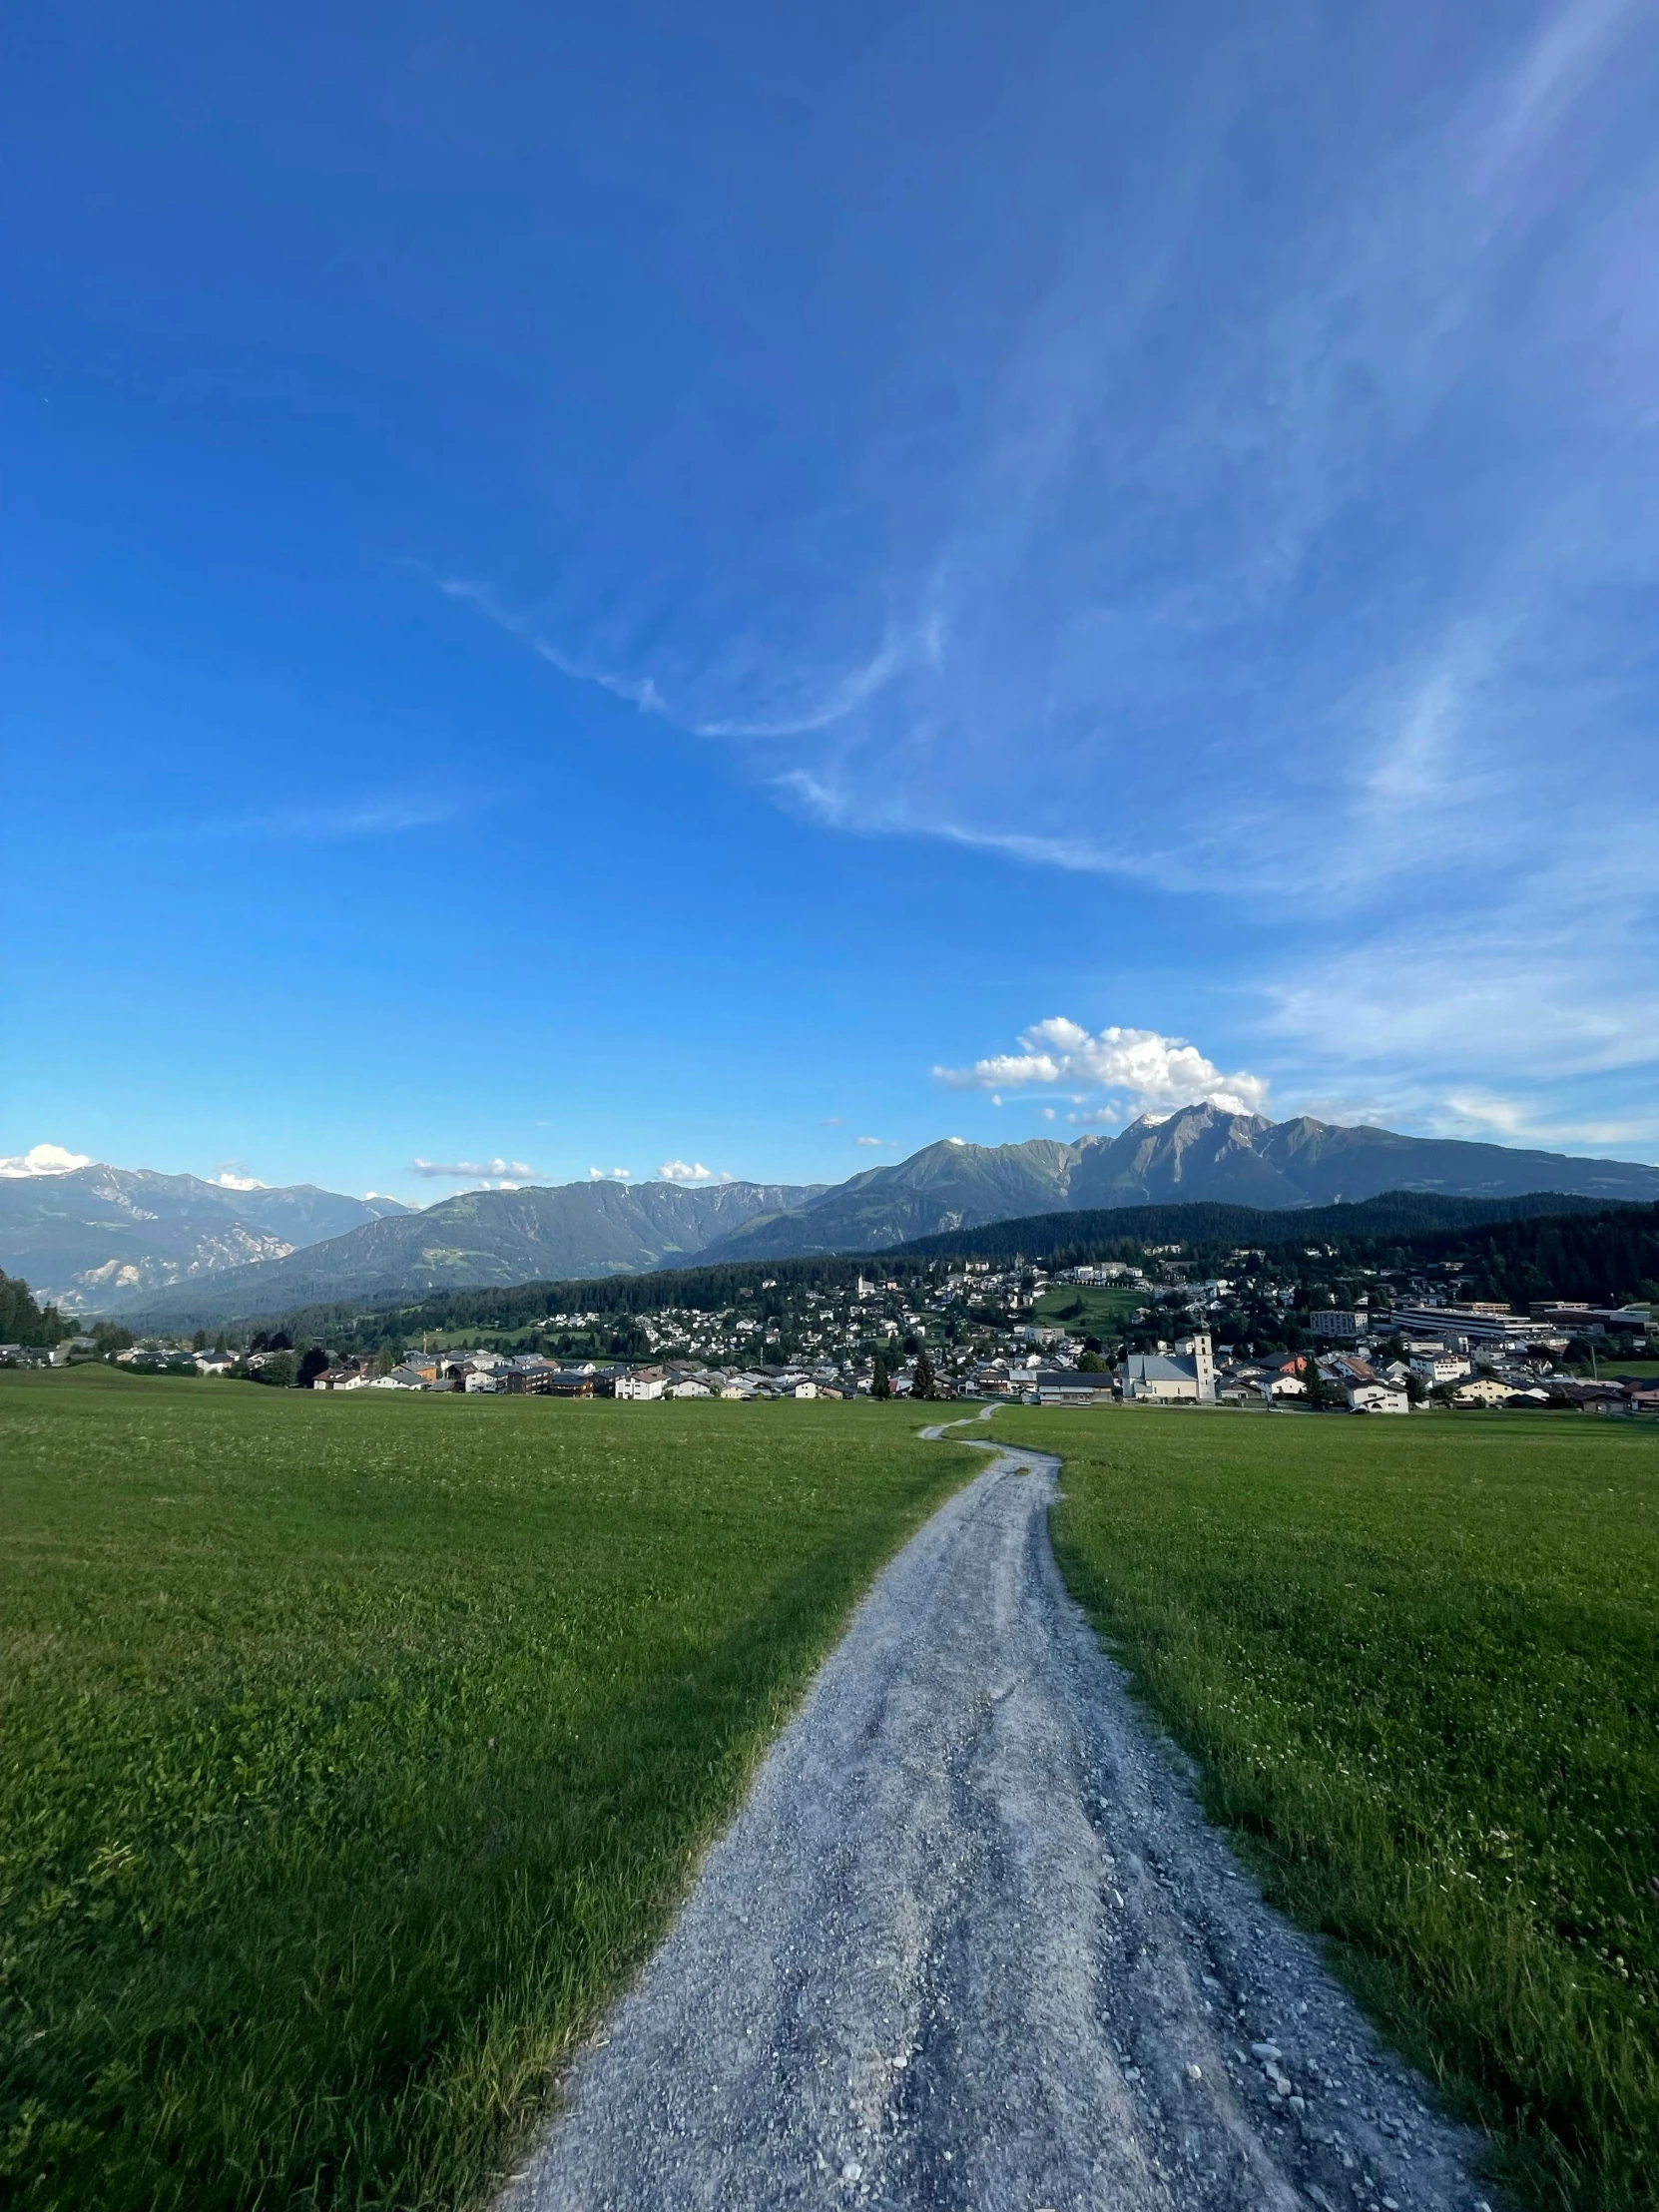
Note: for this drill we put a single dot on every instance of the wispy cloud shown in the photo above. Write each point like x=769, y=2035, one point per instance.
x=1571, y=44
x=1291, y=556
x=473, y=1171
x=814, y=708
x=639, y=692
x=325, y=823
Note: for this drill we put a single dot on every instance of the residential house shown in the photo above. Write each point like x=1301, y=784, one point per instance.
x=1376, y=1398
x=1483, y=1391
x=1065, y=1386
x=569, y=1382
x=528, y=1374
x=1346, y=1367
x=1434, y=1368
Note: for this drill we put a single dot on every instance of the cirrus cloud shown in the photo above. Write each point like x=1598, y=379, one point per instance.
x=473, y=1171
x=1148, y=1068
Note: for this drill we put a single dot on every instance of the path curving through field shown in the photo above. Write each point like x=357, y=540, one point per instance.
x=972, y=1944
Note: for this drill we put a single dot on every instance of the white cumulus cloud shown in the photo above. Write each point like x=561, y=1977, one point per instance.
x=688, y=1171
x=610, y=1175
x=1142, y=1065
x=45, y=1159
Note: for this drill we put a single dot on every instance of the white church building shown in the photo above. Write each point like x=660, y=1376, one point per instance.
x=1185, y=1375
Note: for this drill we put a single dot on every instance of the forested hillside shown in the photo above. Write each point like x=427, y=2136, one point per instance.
x=1576, y=1251
x=1122, y=1232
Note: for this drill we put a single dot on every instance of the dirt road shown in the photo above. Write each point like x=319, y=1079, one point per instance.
x=970, y=1944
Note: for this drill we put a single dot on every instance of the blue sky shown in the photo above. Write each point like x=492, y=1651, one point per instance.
x=593, y=588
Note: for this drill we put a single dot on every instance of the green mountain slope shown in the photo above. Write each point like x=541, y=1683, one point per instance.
x=945, y=1185
x=480, y=1238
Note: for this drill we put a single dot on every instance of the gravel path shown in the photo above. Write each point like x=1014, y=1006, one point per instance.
x=972, y=1944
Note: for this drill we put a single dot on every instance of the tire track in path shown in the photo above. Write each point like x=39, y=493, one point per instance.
x=972, y=1944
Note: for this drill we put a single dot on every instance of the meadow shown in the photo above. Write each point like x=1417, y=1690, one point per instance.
x=1417, y=1664
x=1088, y=1309
x=355, y=1749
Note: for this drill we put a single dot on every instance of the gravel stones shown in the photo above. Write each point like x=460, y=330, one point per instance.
x=971, y=1942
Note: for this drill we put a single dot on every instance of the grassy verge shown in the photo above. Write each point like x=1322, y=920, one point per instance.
x=354, y=1749
x=1419, y=1666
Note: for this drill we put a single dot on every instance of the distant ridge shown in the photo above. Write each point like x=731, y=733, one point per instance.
x=575, y=1231
x=479, y=1238
x=98, y=1236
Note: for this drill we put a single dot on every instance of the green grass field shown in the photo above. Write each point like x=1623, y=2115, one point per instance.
x=354, y=1749
x=1102, y=1311
x=1418, y=1664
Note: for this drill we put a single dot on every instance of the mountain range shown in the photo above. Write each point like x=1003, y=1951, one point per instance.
x=1201, y=1152
x=474, y=1239
x=96, y=1237
x=565, y=1232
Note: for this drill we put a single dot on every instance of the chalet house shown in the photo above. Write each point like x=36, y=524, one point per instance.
x=1483, y=1391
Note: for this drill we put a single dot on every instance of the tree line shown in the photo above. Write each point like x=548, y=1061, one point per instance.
x=22, y=1322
